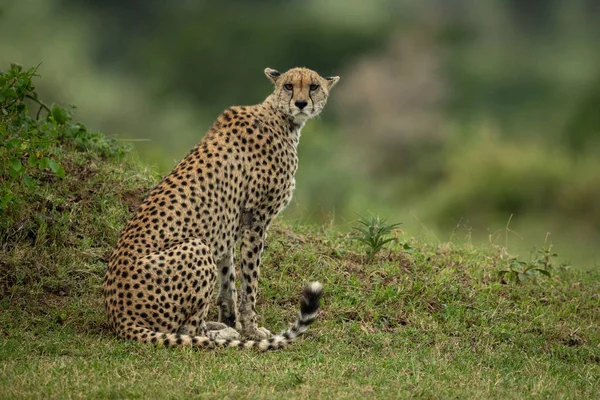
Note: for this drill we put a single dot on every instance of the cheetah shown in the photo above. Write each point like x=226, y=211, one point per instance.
x=225, y=192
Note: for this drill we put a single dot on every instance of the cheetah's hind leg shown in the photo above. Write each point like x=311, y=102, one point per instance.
x=213, y=330
x=167, y=292
x=227, y=333
x=219, y=330
x=215, y=326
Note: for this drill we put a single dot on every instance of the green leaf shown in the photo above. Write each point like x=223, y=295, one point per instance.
x=29, y=182
x=544, y=272
x=13, y=174
x=60, y=115
x=32, y=160
x=12, y=143
x=78, y=129
x=387, y=241
x=42, y=145
x=361, y=230
x=529, y=268
x=56, y=168
x=16, y=164
x=43, y=163
x=15, y=167
x=6, y=197
x=10, y=92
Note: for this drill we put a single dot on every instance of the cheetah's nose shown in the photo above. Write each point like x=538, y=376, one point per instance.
x=301, y=104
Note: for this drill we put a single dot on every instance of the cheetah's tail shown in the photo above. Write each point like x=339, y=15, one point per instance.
x=309, y=305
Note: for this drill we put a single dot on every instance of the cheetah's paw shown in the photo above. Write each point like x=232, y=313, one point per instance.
x=227, y=333
x=258, y=333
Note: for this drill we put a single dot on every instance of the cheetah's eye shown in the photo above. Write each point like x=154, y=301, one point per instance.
x=313, y=87
x=288, y=86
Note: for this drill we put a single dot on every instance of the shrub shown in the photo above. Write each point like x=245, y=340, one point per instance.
x=29, y=141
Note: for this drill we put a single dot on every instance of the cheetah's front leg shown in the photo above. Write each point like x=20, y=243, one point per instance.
x=227, y=299
x=251, y=250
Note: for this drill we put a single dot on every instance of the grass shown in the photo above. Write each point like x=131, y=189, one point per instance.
x=430, y=322
x=412, y=320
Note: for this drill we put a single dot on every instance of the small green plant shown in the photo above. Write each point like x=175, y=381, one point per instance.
x=521, y=271
x=544, y=258
x=374, y=233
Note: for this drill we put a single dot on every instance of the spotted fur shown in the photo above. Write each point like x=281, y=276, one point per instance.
x=161, y=275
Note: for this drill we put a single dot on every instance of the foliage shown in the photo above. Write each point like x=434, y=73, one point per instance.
x=374, y=233
x=484, y=177
x=521, y=271
x=29, y=144
x=26, y=145
x=257, y=32
x=64, y=192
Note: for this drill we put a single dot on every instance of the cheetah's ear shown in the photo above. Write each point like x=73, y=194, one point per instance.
x=272, y=74
x=331, y=81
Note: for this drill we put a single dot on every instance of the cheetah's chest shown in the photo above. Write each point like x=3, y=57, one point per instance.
x=275, y=183
x=279, y=193
x=289, y=193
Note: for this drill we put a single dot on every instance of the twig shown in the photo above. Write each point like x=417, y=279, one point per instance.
x=37, y=116
x=41, y=103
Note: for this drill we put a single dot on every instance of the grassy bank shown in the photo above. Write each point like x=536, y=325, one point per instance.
x=415, y=321
x=435, y=322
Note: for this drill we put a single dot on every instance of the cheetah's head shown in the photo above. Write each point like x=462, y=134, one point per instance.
x=300, y=93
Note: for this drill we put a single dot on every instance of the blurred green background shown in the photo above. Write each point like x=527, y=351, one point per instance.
x=475, y=121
